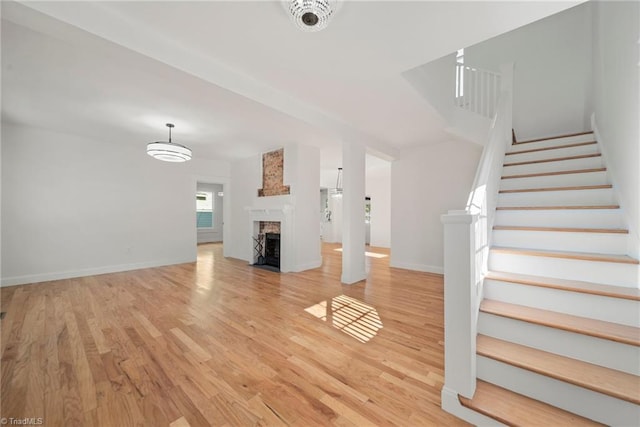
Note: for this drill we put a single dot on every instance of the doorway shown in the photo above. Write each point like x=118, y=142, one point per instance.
x=209, y=212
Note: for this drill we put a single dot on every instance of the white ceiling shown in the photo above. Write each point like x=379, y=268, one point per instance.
x=238, y=78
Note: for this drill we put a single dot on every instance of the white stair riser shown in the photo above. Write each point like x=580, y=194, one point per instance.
x=581, y=401
x=608, y=309
x=608, y=273
x=608, y=243
x=600, y=196
x=553, y=142
x=602, y=352
x=590, y=178
x=558, y=166
x=551, y=154
x=592, y=218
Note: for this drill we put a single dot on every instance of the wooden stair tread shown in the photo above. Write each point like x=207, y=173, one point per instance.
x=614, y=383
x=562, y=229
x=544, y=208
x=556, y=159
x=535, y=150
x=581, y=325
x=622, y=259
x=567, y=285
x=554, y=137
x=569, y=172
x=514, y=409
x=572, y=188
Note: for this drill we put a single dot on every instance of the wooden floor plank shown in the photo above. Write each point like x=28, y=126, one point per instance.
x=534, y=150
x=517, y=410
x=581, y=325
x=218, y=342
x=547, y=208
x=557, y=159
x=614, y=383
x=632, y=294
x=567, y=135
x=585, y=256
x=562, y=229
x=553, y=173
x=571, y=188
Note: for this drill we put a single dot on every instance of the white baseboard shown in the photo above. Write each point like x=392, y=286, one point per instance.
x=417, y=267
x=60, y=275
x=309, y=265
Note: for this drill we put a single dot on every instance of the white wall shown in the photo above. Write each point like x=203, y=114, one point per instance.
x=304, y=163
x=616, y=97
x=213, y=234
x=328, y=178
x=552, y=72
x=71, y=207
x=302, y=174
x=425, y=183
x=246, y=179
x=378, y=187
x=435, y=81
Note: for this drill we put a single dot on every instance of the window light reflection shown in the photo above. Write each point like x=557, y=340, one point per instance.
x=369, y=254
x=349, y=315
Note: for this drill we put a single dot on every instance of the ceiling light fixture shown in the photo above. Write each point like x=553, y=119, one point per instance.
x=311, y=15
x=168, y=151
x=337, y=192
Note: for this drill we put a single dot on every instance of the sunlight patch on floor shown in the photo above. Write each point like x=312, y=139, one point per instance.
x=369, y=254
x=350, y=315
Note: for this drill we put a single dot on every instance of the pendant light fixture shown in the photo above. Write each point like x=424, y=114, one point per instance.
x=169, y=151
x=337, y=192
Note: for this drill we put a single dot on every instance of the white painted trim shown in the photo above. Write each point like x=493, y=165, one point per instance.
x=418, y=267
x=45, y=277
x=451, y=404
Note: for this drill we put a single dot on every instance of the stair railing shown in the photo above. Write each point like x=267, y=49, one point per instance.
x=467, y=235
x=477, y=90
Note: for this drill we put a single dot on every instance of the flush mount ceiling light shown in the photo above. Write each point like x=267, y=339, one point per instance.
x=311, y=15
x=168, y=151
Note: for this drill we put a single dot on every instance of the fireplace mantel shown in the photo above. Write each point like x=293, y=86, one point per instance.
x=284, y=209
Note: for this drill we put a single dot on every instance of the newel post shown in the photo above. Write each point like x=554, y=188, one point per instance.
x=460, y=303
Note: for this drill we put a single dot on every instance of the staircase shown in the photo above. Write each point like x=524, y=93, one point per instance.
x=559, y=326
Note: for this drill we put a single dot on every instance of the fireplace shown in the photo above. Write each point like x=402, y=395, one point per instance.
x=277, y=221
x=266, y=245
x=272, y=249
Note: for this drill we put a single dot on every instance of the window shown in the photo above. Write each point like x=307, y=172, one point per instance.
x=204, y=209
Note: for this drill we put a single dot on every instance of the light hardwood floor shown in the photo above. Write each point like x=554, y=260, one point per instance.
x=220, y=343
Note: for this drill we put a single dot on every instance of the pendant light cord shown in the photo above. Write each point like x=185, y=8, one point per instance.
x=170, y=125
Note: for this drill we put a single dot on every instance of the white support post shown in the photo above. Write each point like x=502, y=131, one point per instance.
x=460, y=302
x=353, y=225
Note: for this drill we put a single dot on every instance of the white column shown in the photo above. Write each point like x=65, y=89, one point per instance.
x=460, y=303
x=353, y=226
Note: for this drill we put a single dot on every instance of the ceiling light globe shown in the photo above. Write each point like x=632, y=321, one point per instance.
x=311, y=15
